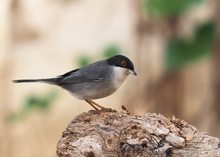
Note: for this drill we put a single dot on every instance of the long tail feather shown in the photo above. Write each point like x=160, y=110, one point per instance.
x=49, y=80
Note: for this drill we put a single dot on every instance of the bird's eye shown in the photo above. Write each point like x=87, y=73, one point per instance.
x=123, y=63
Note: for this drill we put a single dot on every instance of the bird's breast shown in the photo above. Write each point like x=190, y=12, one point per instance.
x=119, y=76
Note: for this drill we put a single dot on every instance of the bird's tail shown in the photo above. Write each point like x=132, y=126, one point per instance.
x=48, y=80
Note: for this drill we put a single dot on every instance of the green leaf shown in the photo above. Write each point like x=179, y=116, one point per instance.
x=181, y=52
x=111, y=50
x=39, y=102
x=32, y=103
x=11, y=118
x=84, y=60
x=168, y=7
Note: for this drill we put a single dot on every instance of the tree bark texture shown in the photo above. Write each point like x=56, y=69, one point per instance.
x=107, y=133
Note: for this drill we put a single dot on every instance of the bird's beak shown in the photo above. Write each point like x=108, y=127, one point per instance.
x=132, y=72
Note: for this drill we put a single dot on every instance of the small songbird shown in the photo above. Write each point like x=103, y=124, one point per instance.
x=94, y=81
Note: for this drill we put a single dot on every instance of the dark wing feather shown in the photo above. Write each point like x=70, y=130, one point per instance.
x=92, y=73
x=68, y=73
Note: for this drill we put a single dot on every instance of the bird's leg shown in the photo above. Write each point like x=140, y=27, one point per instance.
x=94, y=104
x=91, y=103
x=97, y=105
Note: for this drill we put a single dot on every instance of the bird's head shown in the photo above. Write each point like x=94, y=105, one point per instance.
x=122, y=62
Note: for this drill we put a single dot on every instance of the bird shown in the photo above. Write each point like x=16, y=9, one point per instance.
x=94, y=81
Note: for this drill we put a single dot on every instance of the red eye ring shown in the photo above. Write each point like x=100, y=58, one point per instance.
x=123, y=63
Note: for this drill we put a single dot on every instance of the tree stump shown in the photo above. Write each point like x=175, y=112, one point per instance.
x=108, y=133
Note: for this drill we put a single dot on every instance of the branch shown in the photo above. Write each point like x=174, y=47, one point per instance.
x=120, y=134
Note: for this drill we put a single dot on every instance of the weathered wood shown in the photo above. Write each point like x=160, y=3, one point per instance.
x=121, y=134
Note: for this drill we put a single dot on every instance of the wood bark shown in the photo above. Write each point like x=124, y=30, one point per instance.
x=108, y=133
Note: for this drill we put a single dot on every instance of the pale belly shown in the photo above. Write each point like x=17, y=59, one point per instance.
x=91, y=90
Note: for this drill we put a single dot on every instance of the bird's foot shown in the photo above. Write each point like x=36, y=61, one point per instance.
x=98, y=107
x=108, y=110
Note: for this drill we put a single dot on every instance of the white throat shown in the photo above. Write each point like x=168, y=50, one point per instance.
x=120, y=74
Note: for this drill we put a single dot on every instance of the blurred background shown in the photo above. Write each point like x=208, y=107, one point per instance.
x=174, y=44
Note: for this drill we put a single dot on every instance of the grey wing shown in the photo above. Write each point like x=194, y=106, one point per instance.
x=92, y=73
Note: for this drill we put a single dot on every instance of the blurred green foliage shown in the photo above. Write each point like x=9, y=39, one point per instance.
x=168, y=7
x=111, y=50
x=181, y=52
x=34, y=102
x=84, y=60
